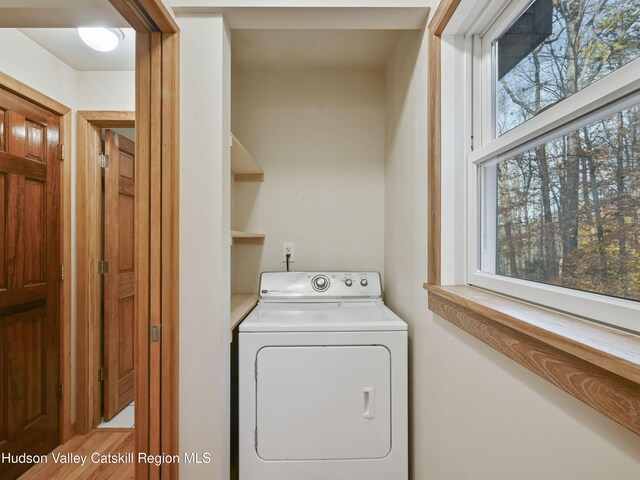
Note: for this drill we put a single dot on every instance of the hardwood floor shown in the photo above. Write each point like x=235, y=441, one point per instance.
x=104, y=441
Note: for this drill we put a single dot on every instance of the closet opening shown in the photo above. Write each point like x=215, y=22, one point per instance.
x=328, y=162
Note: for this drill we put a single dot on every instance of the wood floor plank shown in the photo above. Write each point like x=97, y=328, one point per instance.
x=102, y=441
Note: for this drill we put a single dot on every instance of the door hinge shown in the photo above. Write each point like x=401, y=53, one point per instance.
x=156, y=333
x=60, y=392
x=102, y=374
x=256, y=370
x=255, y=440
x=61, y=271
x=62, y=152
x=103, y=267
x=103, y=160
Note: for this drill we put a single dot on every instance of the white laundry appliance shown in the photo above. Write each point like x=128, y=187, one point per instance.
x=322, y=381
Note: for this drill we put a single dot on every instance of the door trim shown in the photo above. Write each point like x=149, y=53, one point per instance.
x=157, y=196
x=66, y=427
x=89, y=232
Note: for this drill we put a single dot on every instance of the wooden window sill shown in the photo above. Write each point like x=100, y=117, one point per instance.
x=595, y=363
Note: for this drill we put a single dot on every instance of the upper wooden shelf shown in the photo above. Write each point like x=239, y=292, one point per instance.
x=238, y=237
x=243, y=165
x=241, y=306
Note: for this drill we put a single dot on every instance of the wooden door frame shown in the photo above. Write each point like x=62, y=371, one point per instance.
x=157, y=196
x=89, y=125
x=32, y=95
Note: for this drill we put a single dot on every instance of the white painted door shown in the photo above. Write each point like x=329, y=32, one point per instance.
x=317, y=403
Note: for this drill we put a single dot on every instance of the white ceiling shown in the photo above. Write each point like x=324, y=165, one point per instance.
x=65, y=44
x=59, y=13
x=309, y=14
x=312, y=48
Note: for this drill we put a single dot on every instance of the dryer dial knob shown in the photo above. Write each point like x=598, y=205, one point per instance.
x=348, y=282
x=364, y=282
x=320, y=283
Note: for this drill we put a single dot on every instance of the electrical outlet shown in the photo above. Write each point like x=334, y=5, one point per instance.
x=288, y=247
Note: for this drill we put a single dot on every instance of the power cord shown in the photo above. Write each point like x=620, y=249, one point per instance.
x=288, y=256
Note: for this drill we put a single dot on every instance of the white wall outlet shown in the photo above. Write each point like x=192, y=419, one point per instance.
x=288, y=247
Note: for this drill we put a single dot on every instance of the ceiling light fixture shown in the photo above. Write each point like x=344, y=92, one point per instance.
x=101, y=39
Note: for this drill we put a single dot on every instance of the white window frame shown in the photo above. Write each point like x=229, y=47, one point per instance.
x=486, y=148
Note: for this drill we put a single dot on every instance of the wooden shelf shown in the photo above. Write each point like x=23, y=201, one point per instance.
x=241, y=305
x=243, y=165
x=244, y=238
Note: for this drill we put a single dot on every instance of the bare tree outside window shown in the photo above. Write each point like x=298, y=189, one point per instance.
x=568, y=210
x=557, y=48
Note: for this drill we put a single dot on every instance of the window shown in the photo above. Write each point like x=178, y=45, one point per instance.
x=568, y=210
x=557, y=48
x=555, y=178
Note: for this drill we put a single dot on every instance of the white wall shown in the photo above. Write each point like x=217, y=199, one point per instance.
x=101, y=90
x=318, y=134
x=488, y=418
x=405, y=235
x=28, y=62
x=204, y=244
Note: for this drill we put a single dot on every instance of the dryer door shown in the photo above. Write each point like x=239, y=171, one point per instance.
x=323, y=403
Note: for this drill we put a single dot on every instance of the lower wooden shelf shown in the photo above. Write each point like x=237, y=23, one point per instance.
x=241, y=305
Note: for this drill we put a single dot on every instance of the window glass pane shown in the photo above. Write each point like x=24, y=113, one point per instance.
x=568, y=211
x=558, y=47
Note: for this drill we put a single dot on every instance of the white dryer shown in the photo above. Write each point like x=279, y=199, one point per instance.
x=322, y=381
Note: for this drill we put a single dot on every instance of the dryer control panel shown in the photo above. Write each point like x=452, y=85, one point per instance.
x=320, y=286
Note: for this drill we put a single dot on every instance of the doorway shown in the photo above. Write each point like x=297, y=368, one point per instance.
x=106, y=154
x=29, y=279
x=156, y=85
x=118, y=273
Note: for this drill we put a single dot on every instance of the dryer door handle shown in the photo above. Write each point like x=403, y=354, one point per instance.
x=368, y=402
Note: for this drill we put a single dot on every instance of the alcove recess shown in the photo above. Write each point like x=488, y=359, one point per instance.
x=244, y=168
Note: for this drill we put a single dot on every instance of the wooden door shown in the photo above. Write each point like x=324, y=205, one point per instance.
x=29, y=280
x=119, y=293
